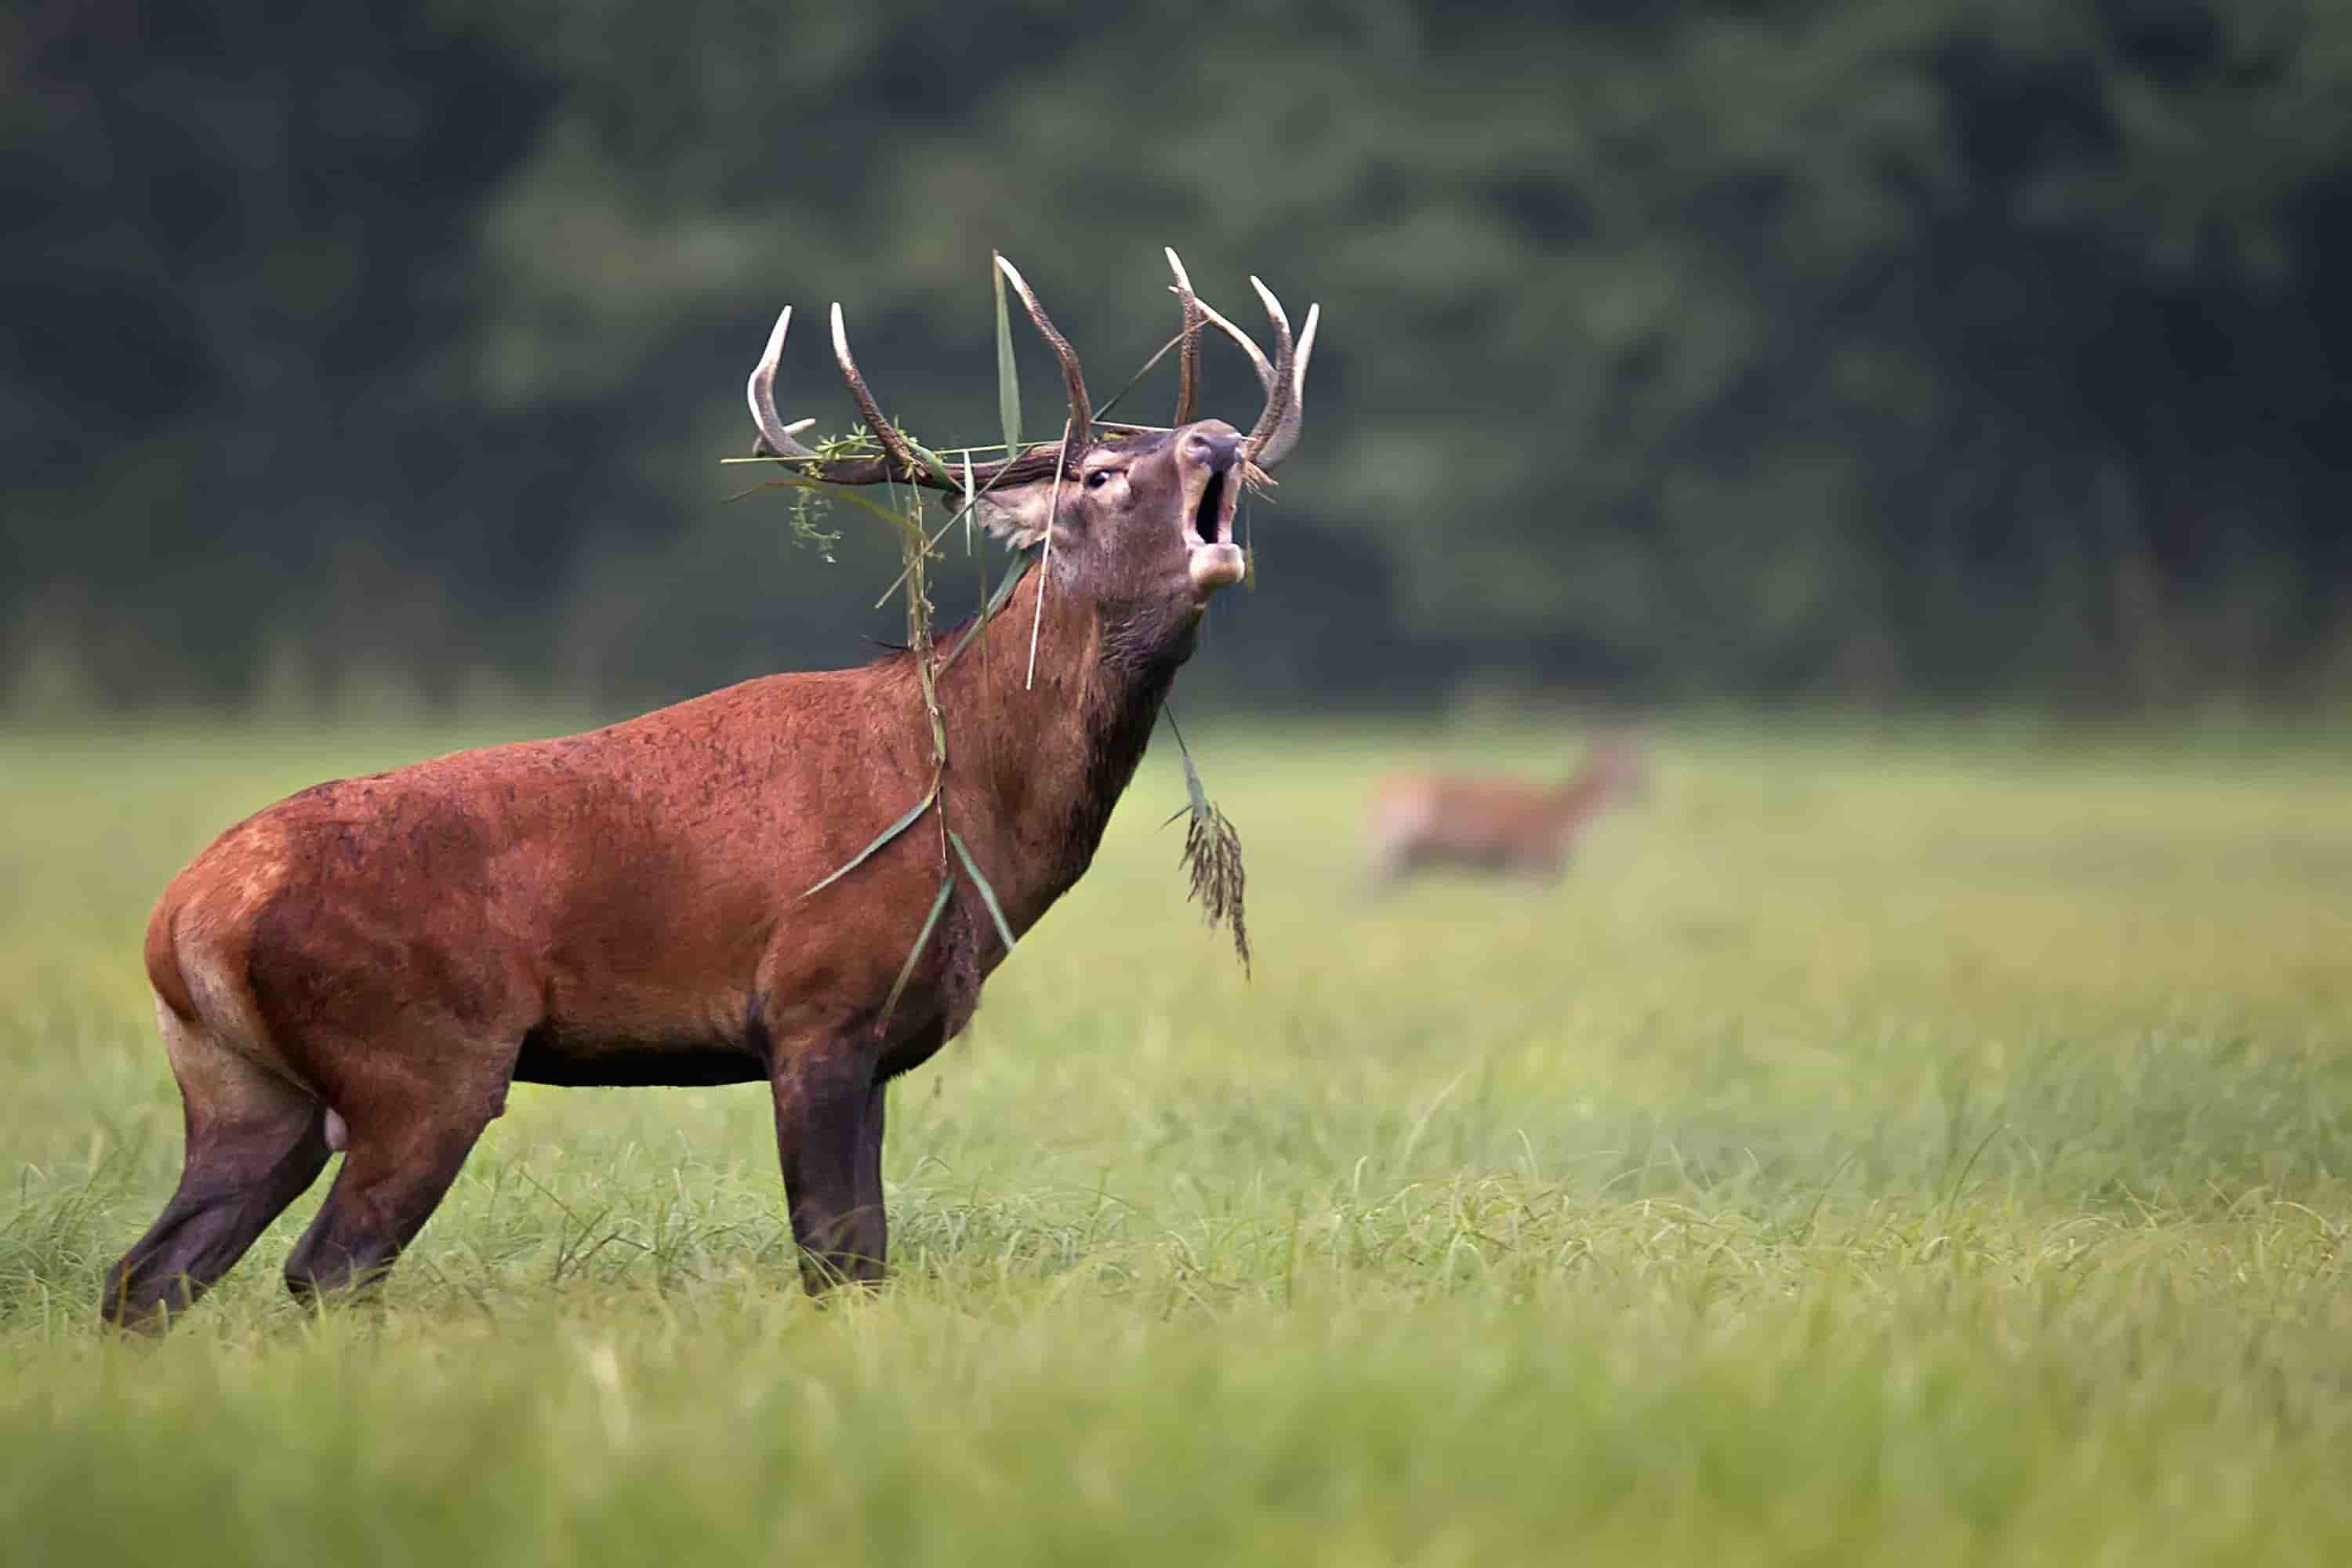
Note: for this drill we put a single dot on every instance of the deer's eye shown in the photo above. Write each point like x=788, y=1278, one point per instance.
x=1099, y=477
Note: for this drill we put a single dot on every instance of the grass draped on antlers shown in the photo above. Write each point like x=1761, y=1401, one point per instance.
x=1213, y=850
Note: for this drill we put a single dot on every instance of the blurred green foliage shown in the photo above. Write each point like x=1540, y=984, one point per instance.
x=1871, y=349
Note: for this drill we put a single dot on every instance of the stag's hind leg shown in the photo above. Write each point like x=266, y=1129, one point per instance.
x=255, y=1143
x=407, y=1134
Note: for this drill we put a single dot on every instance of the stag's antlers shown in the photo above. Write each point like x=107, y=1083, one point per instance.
x=1082, y=412
x=1188, y=356
x=1276, y=433
x=1270, y=440
x=775, y=436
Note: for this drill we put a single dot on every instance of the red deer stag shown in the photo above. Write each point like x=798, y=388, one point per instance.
x=367, y=965
x=1422, y=821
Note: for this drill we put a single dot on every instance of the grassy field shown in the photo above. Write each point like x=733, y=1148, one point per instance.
x=1928, y=1148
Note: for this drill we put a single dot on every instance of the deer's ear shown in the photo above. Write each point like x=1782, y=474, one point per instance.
x=1017, y=515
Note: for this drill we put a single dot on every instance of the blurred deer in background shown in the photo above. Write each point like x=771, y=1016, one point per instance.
x=1423, y=821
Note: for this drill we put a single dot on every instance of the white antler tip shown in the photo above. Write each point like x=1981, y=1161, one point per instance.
x=1273, y=305
x=776, y=335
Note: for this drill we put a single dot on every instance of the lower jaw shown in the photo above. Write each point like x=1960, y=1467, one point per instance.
x=1215, y=567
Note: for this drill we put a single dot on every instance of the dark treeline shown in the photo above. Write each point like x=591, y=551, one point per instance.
x=1924, y=350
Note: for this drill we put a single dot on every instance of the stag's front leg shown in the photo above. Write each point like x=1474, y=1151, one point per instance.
x=829, y=1135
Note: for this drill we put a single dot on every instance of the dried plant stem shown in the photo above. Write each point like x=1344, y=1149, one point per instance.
x=1045, y=576
x=915, y=547
x=979, y=561
x=961, y=514
x=1131, y=382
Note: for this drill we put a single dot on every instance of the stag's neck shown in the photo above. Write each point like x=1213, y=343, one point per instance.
x=1038, y=763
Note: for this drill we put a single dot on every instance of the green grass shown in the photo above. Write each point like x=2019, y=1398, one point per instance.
x=1932, y=1149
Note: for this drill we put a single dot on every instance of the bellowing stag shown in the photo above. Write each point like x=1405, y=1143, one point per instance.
x=1424, y=821
x=367, y=965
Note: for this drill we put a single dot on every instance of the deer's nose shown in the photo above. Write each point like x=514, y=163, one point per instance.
x=1218, y=452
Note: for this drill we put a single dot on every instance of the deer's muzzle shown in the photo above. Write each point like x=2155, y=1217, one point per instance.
x=1216, y=566
x=1213, y=453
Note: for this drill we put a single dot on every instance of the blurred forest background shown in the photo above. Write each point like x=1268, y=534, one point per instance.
x=1861, y=350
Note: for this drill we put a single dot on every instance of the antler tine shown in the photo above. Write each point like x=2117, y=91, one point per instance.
x=901, y=455
x=1188, y=357
x=760, y=392
x=1242, y=341
x=1278, y=429
x=1285, y=435
x=899, y=463
x=1277, y=401
x=1082, y=411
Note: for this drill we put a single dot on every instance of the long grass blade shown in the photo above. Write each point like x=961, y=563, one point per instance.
x=888, y=833
x=1200, y=801
x=963, y=514
x=1020, y=569
x=987, y=893
x=931, y=460
x=980, y=559
x=922, y=941
x=930, y=546
x=1053, y=514
x=1131, y=382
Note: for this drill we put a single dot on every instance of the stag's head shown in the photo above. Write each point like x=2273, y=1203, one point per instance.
x=1141, y=518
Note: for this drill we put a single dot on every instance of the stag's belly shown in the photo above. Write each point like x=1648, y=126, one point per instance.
x=550, y=1055
x=628, y=1037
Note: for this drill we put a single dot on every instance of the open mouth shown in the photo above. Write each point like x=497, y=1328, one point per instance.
x=1213, y=519
x=1216, y=562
